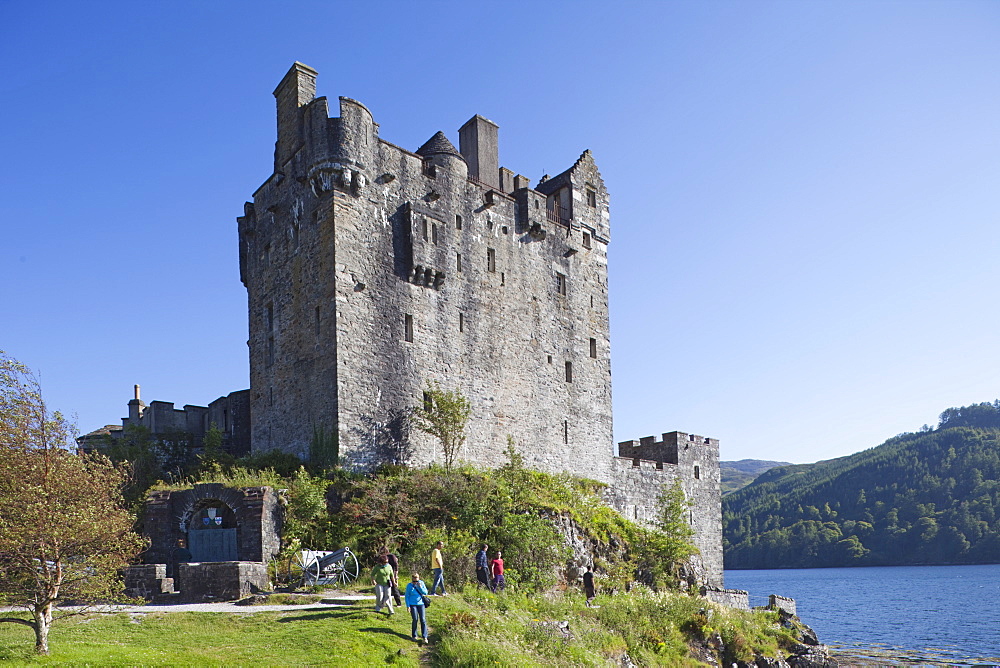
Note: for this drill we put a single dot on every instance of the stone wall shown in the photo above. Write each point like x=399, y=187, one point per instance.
x=256, y=515
x=371, y=270
x=732, y=598
x=221, y=581
x=693, y=460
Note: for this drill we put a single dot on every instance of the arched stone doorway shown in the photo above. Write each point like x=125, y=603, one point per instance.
x=213, y=532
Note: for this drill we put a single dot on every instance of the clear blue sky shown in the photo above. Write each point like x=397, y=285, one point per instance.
x=805, y=195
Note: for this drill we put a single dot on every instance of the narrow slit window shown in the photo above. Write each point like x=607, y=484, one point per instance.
x=566, y=432
x=550, y=359
x=408, y=328
x=434, y=234
x=593, y=348
x=491, y=259
x=461, y=321
x=458, y=222
x=423, y=228
x=317, y=321
x=569, y=372
x=697, y=472
x=428, y=402
x=586, y=240
x=561, y=283
x=458, y=262
x=270, y=350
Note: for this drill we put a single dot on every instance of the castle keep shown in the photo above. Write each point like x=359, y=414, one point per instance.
x=372, y=270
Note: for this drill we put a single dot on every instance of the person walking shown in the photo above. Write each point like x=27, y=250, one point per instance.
x=382, y=579
x=482, y=567
x=415, y=592
x=497, y=567
x=394, y=564
x=437, y=567
x=589, y=588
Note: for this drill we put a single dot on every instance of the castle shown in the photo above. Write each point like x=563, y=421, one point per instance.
x=372, y=270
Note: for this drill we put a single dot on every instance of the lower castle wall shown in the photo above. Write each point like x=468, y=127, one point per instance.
x=635, y=487
x=731, y=598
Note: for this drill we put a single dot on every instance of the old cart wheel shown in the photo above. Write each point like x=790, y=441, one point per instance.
x=346, y=571
x=302, y=569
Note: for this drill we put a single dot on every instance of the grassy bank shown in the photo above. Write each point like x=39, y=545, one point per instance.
x=473, y=628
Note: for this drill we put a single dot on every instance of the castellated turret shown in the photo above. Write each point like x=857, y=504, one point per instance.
x=372, y=269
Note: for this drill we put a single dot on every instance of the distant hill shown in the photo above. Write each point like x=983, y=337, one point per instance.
x=736, y=475
x=931, y=497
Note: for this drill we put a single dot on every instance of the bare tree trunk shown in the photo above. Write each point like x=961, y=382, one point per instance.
x=43, y=620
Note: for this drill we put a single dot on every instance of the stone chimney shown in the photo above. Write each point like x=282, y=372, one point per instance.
x=479, y=145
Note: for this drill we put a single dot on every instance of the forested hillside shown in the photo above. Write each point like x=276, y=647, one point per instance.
x=931, y=497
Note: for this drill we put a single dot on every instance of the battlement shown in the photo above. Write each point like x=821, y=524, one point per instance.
x=666, y=450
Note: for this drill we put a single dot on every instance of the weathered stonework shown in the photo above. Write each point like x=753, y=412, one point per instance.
x=642, y=469
x=221, y=581
x=372, y=270
x=253, y=513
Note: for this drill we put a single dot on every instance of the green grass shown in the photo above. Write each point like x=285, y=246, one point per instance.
x=469, y=629
x=355, y=636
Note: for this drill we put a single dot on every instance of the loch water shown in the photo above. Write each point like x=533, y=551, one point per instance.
x=892, y=615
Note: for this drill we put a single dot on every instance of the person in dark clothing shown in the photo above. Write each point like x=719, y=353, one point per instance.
x=589, y=588
x=482, y=566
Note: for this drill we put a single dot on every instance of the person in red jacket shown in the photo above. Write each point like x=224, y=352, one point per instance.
x=496, y=566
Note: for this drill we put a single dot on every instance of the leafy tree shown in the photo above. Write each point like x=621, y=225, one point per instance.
x=444, y=414
x=64, y=532
x=213, y=456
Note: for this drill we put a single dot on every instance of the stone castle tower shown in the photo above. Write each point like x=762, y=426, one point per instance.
x=372, y=270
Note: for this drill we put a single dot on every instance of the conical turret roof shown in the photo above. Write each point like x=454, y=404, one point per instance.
x=438, y=144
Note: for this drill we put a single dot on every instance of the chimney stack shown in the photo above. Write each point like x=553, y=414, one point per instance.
x=479, y=145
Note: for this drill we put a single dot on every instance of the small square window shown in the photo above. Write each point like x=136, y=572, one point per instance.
x=586, y=239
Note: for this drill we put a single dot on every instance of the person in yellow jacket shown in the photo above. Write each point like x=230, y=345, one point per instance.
x=437, y=566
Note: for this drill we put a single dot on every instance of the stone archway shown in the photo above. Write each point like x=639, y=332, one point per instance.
x=213, y=532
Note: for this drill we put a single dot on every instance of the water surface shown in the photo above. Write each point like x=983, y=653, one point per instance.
x=903, y=615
